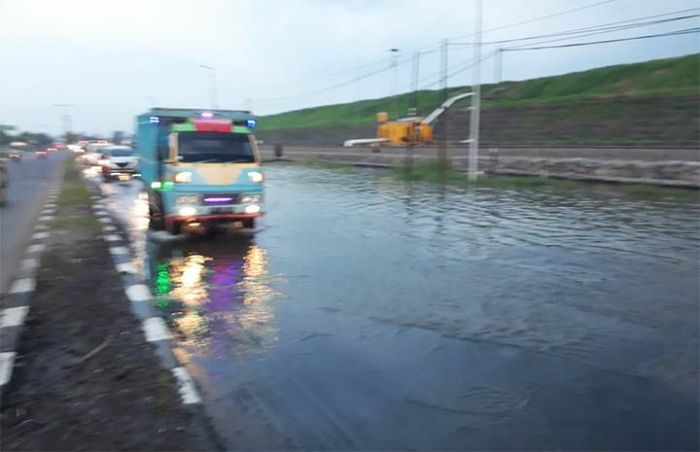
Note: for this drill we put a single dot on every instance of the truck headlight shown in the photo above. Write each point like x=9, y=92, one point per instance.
x=256, y=176
x=187, y=211
x=183, y=177
x=250, y=199
x=252, y=208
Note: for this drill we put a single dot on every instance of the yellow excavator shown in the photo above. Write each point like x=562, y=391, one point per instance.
x=410, y=130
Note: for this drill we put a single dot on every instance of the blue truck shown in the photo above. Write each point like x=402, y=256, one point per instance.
x=200, y=167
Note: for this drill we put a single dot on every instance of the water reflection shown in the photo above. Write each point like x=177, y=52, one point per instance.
x=217, y=295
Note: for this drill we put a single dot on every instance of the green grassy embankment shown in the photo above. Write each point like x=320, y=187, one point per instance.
x=658, y=78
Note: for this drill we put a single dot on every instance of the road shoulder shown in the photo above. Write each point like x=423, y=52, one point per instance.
x=86, y=375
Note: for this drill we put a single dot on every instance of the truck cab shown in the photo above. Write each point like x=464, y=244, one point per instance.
x=200, y=168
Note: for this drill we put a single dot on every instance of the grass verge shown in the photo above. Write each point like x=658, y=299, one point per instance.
x=434, y=172
x=317, y=163
x=73, y=190
x=73, y=194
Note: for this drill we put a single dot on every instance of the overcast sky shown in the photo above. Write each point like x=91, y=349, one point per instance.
x=115, y=59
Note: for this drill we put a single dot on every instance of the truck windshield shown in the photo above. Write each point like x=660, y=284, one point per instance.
x=214, y=147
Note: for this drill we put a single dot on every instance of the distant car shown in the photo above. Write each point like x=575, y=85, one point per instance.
x=93, y=152
x=118, y=162
x=52, y=149
x=15, y=155
x=41, y=153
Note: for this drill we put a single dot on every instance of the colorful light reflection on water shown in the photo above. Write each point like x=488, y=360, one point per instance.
x=220, y=305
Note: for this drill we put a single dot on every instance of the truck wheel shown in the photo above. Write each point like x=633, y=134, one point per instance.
x=173, y=227
x=155, y=213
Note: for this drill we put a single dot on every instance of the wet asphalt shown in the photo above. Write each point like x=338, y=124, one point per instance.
x=368, y=313
x=29, y=180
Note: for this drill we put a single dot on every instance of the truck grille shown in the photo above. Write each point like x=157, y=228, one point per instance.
x=220, y=199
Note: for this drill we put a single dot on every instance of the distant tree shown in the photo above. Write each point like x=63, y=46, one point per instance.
x=117, y=137
x=6, y=133
x=71, y=137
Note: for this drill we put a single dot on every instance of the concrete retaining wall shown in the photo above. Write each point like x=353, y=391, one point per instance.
x=678, y=173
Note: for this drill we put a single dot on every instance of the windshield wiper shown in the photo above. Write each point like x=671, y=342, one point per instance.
x=208, y=161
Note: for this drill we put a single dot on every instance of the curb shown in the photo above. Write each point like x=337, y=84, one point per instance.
x=154, y=328
x=16, y=305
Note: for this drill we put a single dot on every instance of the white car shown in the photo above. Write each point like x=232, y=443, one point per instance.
x=92, y=154
x=118, y=162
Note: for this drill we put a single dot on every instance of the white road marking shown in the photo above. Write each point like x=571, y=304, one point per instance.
x=112, y=238
x=186, y=386
x=138, y=292
x=41, y=226
x=126, y=268
x=50, y=205
x=7, y=361
x=48, y=211
x=13, y=316
x=46, y=218
x=40, y=235
x=155, y=329
x=109, y=228
x=104, y=220
x=30, y=263
x=36, y=248
x=119, y=250
x=23, y=285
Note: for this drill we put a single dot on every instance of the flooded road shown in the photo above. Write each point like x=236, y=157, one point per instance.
x=368, y=313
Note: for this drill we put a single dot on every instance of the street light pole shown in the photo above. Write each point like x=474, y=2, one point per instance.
x=212, y=85
x=394, y=88
x=476, y=98
x=65, y=118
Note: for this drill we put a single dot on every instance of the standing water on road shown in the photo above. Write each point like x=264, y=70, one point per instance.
x=369, y=313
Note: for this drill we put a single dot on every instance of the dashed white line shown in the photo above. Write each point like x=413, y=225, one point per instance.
x=40, y=235
x=155, y=330
x=138, y=292
x=7, y=360
x=36, y=248
x=13, y=316
x=46, y=218
x=50, y=205
x=112, y=238
x=30, y=263
x=119, y=250
x=186, y=386
x=126, y=268
x=109, y=228
x=23, y=285
x=104, y=220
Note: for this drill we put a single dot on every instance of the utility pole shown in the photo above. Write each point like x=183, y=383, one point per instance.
x=414, y=87
x=393, y=63
x=212, y=85
x=498, y=65
x=476, y=98
x=442, y=148
x=65, y=118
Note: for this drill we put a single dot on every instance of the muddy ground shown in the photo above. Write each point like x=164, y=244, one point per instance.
x=118, y=399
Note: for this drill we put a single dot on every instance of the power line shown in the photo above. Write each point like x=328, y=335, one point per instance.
x=561, y=13
x=578, y=44
x=579, y=36
x=609, y=27
x=330, y=88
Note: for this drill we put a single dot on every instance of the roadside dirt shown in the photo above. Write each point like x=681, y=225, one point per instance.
x=86, y=377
